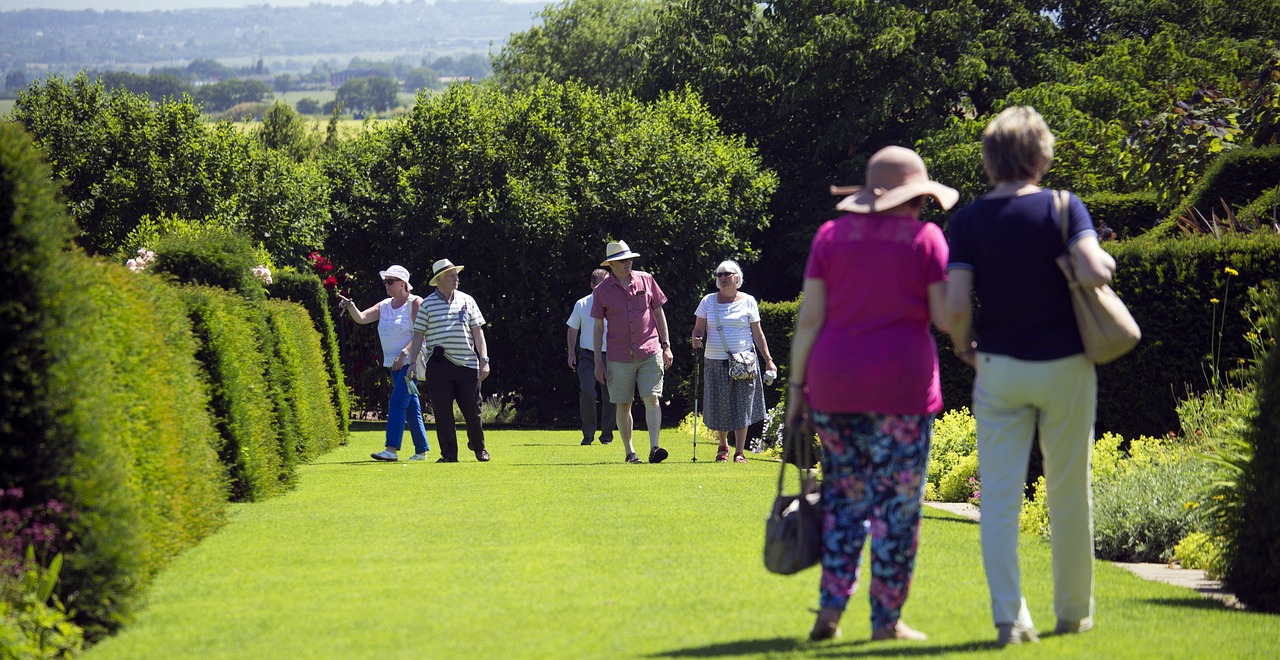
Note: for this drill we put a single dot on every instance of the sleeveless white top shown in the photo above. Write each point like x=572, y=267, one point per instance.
x=395, y=328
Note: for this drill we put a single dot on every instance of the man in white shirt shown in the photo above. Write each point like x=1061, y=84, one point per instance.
x=582, y=358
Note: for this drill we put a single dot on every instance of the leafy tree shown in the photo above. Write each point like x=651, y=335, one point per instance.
x=421, y=78
x=591, y=41
x=15, y=80
x=209, y=69
x=308, y=106
x=128, y=164
x=368, y=94
x=525, y=191
x=223, y=95
x=157, y=86
x=283, y=130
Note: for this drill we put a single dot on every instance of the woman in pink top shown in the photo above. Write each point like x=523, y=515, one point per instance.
x=864, y=374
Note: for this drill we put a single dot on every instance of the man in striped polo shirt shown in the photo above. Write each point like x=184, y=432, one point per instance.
x=450, y=327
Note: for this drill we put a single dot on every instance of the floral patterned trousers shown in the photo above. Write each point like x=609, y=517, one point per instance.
x=874, y=468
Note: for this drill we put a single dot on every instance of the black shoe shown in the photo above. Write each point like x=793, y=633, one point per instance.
x=587, y=441
x=483, y=456
x=605, y=441
x=657, y=455
x=443, y=459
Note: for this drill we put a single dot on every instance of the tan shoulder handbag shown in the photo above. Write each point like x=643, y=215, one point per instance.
x=1106, y=326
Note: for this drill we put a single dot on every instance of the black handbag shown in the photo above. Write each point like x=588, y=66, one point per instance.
x=793, y=531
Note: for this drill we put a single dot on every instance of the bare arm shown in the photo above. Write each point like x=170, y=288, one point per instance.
x=757, y=335
x=597, y=338
x=813, y=314
x=938, y=305
x=571, y=341
x=370, y=315
x=663, y=337
x=699, y=331
x=959, y=312
x=1093, y=266
x=482, y=350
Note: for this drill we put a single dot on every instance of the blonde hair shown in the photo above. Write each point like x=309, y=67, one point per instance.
x=733, y=267
x=1017, y=145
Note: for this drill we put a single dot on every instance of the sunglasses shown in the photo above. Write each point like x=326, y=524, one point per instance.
x=725, y=274
x=390, y=281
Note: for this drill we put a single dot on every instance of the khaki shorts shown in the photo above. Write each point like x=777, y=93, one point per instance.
x=626, y=377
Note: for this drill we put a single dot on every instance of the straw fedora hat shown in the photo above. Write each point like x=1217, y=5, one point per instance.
x=440, y=268
x=617, y=251
x=895, y=175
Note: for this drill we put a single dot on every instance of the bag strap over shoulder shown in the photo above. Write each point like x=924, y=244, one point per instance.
x=1062, y=202
x=795, y=444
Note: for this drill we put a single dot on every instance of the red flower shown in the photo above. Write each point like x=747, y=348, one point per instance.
x=330, y=282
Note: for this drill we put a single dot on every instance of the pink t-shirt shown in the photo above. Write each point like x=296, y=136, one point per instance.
x=875, y=352
x=632, y=328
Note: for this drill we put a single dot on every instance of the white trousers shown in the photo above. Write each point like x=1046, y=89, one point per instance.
x=1012, y=399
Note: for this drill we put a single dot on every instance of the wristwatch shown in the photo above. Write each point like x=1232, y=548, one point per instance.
x=485, y=359
x=664, y=344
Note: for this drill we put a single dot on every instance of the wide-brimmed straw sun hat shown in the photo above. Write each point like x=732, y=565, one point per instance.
x=617, y=251
x=440, y=268
x=894, y=175
x=399, y=273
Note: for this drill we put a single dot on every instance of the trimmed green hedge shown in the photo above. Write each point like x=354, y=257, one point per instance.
x=1128, y=214
x=306, y=290
x=237, y=373
x=1237, y=176
x=305, y=378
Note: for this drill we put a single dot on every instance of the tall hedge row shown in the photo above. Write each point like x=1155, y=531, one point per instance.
x=307, y=291
x=113, y=405
x=237, y=372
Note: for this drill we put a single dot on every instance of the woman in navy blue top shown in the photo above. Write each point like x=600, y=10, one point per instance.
x=1031, y=372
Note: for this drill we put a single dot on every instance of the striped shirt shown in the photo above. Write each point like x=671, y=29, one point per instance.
x=448, y=324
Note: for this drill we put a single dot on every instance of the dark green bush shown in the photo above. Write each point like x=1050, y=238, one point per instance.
x=306, y=290
x=236, y=370
x=306, y=381
x=1143, y=514
x=1128, y=214
x=1237, y=176
x=1266, y=208
x=213, y=257
x=1253, y=542
x=1170, y=287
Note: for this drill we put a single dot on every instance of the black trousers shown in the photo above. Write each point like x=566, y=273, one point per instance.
x=589, y=391
x=446, y=383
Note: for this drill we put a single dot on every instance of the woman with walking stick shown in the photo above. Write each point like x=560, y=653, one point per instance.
x=730, y=321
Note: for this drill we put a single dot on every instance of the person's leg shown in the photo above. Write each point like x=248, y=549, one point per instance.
x=587, y=394
x=739, y=444
x=1066, y=438
x=417, y=429
x=846, y=502
x=622, y=388
x=1005, y=427
x=898, y=450
x=396, y=410
x=649, y=382
x=440, y=389
x=466, y=388
x=608, y=416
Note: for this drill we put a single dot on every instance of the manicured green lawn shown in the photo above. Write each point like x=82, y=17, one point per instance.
x=554, y=550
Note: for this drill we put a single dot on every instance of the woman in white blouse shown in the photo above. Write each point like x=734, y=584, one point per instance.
x=729, y=321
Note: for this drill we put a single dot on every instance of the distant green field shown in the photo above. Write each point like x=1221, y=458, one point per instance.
x=324, y=96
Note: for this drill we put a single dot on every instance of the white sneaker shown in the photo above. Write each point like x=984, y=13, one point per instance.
x=1014, y=633
x=385, y=455
x=419, y=457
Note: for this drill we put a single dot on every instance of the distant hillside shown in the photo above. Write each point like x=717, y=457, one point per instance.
x=38, y=40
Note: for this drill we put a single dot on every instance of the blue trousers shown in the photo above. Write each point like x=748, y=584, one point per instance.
x=404, y=405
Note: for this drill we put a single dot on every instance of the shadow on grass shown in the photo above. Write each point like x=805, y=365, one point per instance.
x=843, y=649
x=367, y=426
x=947, y=518
x=1195, y=603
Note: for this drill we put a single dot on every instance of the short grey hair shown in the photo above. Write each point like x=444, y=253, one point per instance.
x=731, y=266
x=1017, y=145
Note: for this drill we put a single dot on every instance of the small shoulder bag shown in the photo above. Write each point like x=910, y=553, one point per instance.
x=742, y=366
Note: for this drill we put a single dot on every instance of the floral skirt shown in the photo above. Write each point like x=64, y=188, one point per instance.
x=728, y=405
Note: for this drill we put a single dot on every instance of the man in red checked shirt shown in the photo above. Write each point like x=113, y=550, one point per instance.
x=639, y=345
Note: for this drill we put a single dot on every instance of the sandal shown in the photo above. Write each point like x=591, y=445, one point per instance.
x=722, y=456
x=632, y=458
x=739, y=458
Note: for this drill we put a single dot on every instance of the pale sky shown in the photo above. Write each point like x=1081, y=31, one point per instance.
x=150, y=5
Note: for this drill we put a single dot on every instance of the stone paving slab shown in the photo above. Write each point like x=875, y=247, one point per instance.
x=1179, y=577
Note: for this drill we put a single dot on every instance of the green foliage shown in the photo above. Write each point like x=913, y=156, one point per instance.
x=229, y=93
x=33, y=621
x=126, y=160
x=1144, y=514
x=285, y=131
x=526, y=190
x=236, y=370
x=594, y=42
x=368, y=95
x=1253, y=539
x=956, y=484
x=1127, y=214
x=954, y=441
x=1200, y=551
x=213, y=257
x=1033, y=518
x=305, y=379
x=1237, y=178
x=306, y=290
x=1169, y=287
